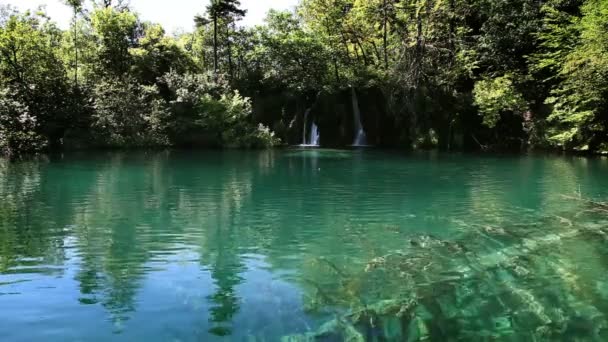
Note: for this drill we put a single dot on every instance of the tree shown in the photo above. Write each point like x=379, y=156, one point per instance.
x=115, y=32
x=507, y=34
x=156, y=54
x=77, y=9
x=574, y=52
x=120, y=5
x=424, y=70
x=289, y=55
x=227, y=11
x=34, y=80
x=496, y=96
x=128, y=114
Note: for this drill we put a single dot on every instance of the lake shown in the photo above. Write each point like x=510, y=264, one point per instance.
x=302, y=244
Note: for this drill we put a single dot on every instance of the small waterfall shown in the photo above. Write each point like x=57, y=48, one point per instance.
x=314, y=135
x=304, y=124
x=312, y=138
x=360, y=136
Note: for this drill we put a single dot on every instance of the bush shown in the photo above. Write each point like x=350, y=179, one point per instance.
x=497, y=96
x=128, y=114
x=200, y=102
x=229, y=116
x=18, y=128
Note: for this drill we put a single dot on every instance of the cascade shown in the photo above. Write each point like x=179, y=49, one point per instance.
x=360, y=136
x=311, y=139
x=304, y=125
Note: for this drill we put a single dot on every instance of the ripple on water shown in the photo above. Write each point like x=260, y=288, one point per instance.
x=261, y=245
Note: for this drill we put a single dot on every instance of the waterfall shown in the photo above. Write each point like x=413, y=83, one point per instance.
x=312, y=139
x=314, y=135
x=360, y=137
x=304, y=125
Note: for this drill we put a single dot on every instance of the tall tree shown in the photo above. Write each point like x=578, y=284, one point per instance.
x=574, y=54
x=116, y=32
x=32, y=79
x=120, y=5
x=228, y=11
x=77, y=8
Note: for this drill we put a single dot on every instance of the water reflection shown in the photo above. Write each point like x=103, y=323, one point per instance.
x=241, y=244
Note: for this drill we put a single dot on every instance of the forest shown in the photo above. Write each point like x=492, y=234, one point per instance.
x=486, y=75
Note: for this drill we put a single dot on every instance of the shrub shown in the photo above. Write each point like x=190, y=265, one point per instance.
x=200, y=101
x=128, y=114
x=18, y=128
x=497, y=96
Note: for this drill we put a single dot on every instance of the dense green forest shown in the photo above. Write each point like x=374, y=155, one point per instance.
x=451, y=74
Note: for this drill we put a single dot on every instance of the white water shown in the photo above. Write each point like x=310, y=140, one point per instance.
x=314, y=135
x=304, y=125
x=360, y=136
x=312, y=139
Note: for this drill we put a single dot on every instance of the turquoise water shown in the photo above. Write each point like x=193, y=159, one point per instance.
x=259, y=246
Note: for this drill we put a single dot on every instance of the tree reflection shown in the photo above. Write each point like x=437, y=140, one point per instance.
x=225, y=271
x=29, y=233
x=115, y=230
x=115, y=218
x=224, y=238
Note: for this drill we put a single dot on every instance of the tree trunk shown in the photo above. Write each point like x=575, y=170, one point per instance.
x=419, y=45
x=336, y=70
x=385, y=35
x=356, y=52
x=75, y=49
x=345, y=47
x=215, y=43
x=365, y=61
x=230, y=67
x=378, y=55
x=452, y=26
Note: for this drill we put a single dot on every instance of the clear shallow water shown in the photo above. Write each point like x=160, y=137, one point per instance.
x=242, y=246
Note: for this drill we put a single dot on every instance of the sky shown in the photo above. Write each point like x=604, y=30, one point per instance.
x=174, y=15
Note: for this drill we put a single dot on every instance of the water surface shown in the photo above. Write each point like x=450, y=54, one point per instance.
x=253, y=246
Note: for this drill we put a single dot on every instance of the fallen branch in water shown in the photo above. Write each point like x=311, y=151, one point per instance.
x=429, y=268
x=603, y=205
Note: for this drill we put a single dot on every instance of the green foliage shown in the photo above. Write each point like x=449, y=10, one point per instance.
x=420, y=65
x=130, y=82
x=189, y=88
x=575, y=51
x=128, y=114
x=33, y=83
x=557, y=37
x=75, y=4
x=216, y=109
x=222, y=13
x=507, y=33
x=497, y=96
x=18, y=129
x=225, y=8
x=157, y=54
x=114, y=32
x=229, y=115
x=78, y=52
x=289, y=55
